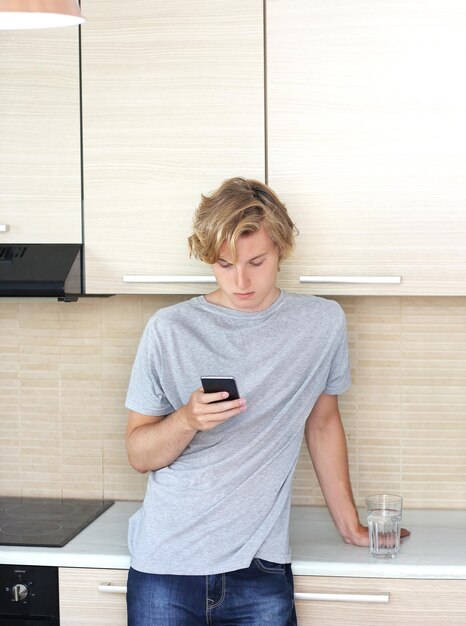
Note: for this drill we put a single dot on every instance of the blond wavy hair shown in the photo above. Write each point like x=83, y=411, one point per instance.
x=239, y=207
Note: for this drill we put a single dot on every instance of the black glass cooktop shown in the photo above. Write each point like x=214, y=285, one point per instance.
x=48, y=522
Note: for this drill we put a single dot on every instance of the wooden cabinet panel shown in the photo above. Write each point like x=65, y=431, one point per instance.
x=411, y=602
x=320, y=601
x=40, y=162
x=81, y=601
x=173, y=104
x=367, y=141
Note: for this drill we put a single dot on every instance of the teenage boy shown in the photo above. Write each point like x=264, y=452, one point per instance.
x=210, y=543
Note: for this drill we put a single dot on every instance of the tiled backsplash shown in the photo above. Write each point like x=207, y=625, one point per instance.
x=64, y=370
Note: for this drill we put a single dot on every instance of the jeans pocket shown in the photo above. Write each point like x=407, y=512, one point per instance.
x=269, y=567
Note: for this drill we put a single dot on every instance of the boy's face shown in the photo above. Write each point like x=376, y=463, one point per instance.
x=247, y=284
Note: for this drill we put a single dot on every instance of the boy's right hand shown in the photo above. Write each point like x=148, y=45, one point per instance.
x=204, y=412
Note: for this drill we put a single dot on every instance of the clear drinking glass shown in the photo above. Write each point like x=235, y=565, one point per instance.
x=384, y=513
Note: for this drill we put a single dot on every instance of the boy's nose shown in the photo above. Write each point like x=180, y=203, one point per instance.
x=242, y=279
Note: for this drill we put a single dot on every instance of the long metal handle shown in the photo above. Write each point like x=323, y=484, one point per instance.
x=111, y=588
x=370, y=280
x=344, y=597
x=129, y=278
x=314, y=597
x=4, y=228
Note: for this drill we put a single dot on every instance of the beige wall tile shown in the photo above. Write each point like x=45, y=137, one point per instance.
x=64, y=369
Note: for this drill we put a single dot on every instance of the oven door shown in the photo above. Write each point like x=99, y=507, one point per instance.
x=29, y=595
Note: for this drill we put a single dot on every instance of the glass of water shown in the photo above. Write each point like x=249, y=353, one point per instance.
x=384, y=520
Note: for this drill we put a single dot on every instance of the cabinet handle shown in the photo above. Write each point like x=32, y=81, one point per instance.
x=111, y=588
x=344, y=597
x=167, y=279
x=4, y=228
x=370, y=280
x=323, y=597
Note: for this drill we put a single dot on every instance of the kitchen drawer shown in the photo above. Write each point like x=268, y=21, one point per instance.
x=94, y=597
x=408, y=602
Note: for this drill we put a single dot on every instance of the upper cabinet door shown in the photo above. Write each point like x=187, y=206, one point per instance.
x=40, y=155
x=367, y=142
x=173, y=104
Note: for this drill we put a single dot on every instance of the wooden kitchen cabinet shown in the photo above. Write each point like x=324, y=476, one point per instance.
x=173, y=104
x=40, y=162
x=410, y=602
x=94, y=597
x=367, y=141
x=97, y=597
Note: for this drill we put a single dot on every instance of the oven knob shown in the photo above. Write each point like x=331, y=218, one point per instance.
x=19, y=592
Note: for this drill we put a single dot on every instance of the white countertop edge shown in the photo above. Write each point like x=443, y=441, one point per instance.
x=57, y=559
x=383, y=569
x=378, y=570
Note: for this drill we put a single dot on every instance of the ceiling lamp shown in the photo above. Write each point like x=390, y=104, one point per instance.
x=19, y=14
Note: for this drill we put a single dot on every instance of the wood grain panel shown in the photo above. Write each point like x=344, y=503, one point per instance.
x=173, y=105
x=81, y=602
x=40, y=163
x=367, y=141
x=412, y=602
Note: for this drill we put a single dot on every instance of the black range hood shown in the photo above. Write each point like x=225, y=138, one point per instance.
x=41, y=270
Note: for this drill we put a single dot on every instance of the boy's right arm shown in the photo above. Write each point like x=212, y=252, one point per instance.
x=153, y=442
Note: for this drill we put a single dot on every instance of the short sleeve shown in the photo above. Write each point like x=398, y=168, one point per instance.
x=339, y=378
x=145, y=394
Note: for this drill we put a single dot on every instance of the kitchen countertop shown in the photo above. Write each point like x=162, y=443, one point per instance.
x=435, y=549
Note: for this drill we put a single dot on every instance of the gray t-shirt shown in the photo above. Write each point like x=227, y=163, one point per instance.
x=226, y=498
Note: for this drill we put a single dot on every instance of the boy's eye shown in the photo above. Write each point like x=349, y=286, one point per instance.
x=224, y=264
x=256, y=264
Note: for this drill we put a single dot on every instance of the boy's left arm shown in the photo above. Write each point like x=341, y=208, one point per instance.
x=326, y=442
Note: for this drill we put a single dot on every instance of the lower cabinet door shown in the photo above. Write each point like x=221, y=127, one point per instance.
x=333, y=601
x=92, y=597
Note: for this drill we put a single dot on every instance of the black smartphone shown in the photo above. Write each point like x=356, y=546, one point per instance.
x=212, y=384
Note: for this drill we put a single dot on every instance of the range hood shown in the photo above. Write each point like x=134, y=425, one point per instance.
x=41, y=270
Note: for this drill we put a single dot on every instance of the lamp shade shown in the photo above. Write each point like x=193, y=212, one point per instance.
x=20, y=14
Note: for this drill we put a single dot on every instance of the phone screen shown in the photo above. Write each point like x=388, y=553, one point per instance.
x=212, y=384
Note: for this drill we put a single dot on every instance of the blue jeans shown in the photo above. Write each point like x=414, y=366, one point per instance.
x=258, y=595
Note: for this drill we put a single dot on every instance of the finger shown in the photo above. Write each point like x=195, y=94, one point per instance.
x=214, y=419
x=223, y=405
x=233, y=408
x=217, y=396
